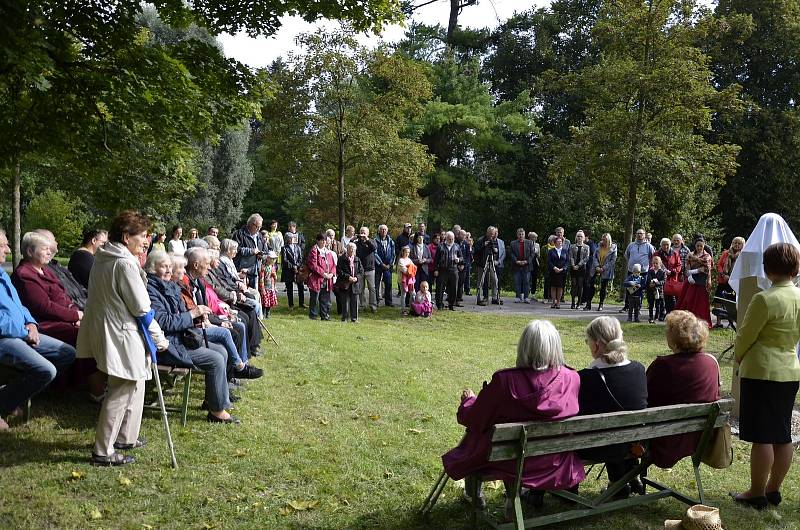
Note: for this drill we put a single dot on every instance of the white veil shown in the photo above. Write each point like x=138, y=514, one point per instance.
x=771, y=228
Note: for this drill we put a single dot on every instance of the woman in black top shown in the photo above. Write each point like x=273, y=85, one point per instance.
x=611, y=383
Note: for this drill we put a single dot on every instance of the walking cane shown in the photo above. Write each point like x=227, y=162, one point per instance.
x=264, y=326
x=144, y=323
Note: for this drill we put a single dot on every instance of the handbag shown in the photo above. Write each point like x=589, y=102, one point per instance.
x=192, y=338
x=302, y=273
x=719, y=451
x=673, y=288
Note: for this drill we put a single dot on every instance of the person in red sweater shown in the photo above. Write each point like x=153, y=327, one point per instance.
x=687, y=376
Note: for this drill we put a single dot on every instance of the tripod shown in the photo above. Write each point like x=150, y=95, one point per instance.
x=489, y=267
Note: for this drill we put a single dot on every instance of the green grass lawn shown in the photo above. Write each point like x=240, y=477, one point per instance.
x=344, y=431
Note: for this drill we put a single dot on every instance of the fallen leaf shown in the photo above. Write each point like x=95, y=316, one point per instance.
x=147, y=526
x=303, y=382
x=415, y=431
x=209, y=526
x=374, y=417
x=241, y=452
x=77, y=475
x=427, y=418
x=388, y=474
x=125, y=481
x=301, y=506
x=284, y=511
x=335, y=382
x=323, y=421
x=95, y=514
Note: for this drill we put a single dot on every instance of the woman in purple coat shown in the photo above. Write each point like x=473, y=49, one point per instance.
x=540, y=388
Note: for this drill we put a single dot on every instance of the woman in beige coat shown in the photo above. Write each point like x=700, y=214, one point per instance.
x=110, y=334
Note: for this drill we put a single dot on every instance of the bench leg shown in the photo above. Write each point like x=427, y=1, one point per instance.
x=26, y=412
x=433, y=496
x=187, y=383
x=699, y=484
x=519, y=520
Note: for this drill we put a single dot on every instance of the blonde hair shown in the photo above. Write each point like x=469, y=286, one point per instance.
x=607, y=333
x=738, y=239
x=685, y=332
x=539, y=347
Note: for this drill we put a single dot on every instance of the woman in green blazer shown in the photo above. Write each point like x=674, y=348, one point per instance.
x=769, y=369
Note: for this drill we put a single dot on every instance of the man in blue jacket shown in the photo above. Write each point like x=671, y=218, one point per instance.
x=384, y=261
x=37, y=358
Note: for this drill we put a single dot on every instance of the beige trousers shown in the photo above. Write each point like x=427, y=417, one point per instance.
x=120, y=415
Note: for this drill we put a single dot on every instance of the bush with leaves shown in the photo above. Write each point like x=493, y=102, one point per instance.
x=62, y=214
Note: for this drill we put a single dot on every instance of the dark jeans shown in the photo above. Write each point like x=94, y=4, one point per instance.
x=321, y=299
x=446, y=281
x=383, y=278
x=37, y=367
x=213, y=361
x=534, y=281
x=657, y=304
x=290, y=293
x=348, y=303
x=634, y=305
x=578, y=282
x=460, y=285
x=467, y=274
x=588, y=289
x=603, y=290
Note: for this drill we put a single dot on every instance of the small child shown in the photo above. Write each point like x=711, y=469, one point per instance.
x=408, y=273
x=422, y=304
x=656, y=278
x=634, y=285
x=268, y=279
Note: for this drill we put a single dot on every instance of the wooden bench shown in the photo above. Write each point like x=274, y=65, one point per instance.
x=169, y=377
x=518, y=441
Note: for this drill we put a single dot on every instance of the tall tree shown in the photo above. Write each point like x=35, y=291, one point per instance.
x=648, y=102
x=756, y=45
x=348, y=122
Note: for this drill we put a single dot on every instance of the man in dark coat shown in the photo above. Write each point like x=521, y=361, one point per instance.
x=251, y=248
x=448, y=260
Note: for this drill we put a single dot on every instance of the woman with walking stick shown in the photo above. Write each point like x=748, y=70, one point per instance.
x=110, y=333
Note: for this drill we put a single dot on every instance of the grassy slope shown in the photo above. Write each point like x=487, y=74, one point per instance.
x=350, y=417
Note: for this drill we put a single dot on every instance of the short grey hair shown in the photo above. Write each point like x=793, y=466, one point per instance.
x=678, y=236
x=539, y=347
x=665, y=240
x=227, y=245
x=155, y=258
x=330, y=232
x=353, y=246
x=33, y=240
x=254, y=219
x=177, y=261
x=194, y=243
x=383, y=226
x=195, y=255
x=449, y=234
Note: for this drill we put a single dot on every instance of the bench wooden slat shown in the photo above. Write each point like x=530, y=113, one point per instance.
x=586, y=440
x=511, y=431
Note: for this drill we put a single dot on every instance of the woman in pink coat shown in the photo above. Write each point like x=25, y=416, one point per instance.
x=540, y=388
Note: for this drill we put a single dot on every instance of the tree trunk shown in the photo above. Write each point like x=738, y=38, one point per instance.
x=452, y=23
x=340, y=174
x=16, y=217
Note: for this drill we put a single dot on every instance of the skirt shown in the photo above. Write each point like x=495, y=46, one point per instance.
x=558, y=280
x=765, y=411
x=694, y=299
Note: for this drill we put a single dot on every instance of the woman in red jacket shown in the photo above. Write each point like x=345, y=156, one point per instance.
x=724, y=268
x=47, y=300
x=321, y=277
x=671, y=259
x=540, y=388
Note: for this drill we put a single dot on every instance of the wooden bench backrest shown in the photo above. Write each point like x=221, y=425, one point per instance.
x=583, y=432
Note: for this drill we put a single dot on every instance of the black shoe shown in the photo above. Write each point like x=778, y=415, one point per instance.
x=116, y=459
x=637, y=486
x=210, y=418
x=482, y=302
x=495, y=302
x=140, y=442
x=312, y=318
x=759, y=503
x=600, y=307
x=572, y=306
x=774, y=497
x=451, y=308
x=302, y=306
x=248, y=372
x=624, y=493
x=325, y=319
x=459, y=304
x=389, y=305
x=534, y=498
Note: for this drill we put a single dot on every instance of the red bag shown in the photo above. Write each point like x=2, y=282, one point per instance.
x=673, y=288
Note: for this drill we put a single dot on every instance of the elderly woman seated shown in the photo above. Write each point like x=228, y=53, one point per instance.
x=232, y=335
x=686, y=376
x=518, y=394
x=176, y=322
x=45, y=297
x=225, y=283
x=611, y=383
x=197, y=291
x=216, y=294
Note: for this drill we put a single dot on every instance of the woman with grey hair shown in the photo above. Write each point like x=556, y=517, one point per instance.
x=611, y=383
x=349, y=271
x=540, y=388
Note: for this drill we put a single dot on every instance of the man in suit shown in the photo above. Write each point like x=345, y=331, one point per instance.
x=522, y=255
x=384, y=261
x=448, y=260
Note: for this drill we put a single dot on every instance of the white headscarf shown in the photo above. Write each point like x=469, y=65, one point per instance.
x=771, y=228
